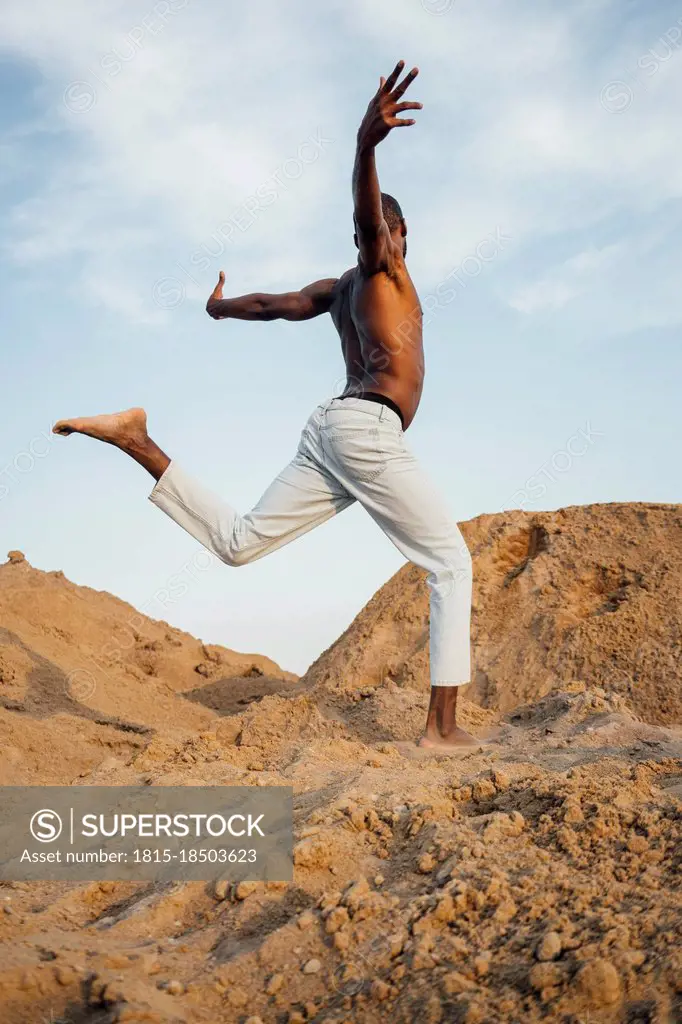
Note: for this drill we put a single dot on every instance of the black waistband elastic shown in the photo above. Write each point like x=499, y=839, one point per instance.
x=373, y=396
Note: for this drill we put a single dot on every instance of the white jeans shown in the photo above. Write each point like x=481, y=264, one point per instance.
x=350, y=450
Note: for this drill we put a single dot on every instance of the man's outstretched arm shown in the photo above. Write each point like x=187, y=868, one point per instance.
x=311, y=301
x=380, y=118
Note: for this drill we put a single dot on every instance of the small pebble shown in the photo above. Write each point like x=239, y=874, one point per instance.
x=274, y=984
x=312, y=967
x=64, y=975
x=245, y=889
x=426, y=863
x=237, y=997
x=549, y=946
x=481, y=966
x=221, y=889
x=380, y=990
x=599, y=982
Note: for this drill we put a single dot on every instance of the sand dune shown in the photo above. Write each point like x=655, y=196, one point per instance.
x=590, y=593
x=535, y=879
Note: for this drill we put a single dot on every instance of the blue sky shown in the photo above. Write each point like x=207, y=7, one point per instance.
x=145, y=145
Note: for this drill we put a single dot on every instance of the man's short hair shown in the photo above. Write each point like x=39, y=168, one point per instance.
x=390, y=208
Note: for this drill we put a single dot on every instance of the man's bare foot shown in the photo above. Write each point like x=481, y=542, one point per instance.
x=123, y=429
x=442, y=732
x=455, y=739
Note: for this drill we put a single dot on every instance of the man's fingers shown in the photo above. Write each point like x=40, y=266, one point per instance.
x=403, y=122
x=406, y=82
x=394, y=76
x=221, y=277
x=382, y=83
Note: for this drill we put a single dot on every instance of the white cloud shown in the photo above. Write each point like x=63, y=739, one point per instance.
x=573, y=277
x=191, y=109
x=164, y=134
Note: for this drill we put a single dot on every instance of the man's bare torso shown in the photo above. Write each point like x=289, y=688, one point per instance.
x=379, y=320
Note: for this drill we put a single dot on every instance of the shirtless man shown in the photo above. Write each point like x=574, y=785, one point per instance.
x=352, y=447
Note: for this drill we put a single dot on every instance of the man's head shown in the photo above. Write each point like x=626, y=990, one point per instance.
x=393, y=215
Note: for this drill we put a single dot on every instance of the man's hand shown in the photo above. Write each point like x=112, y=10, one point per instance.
x=385, y=105
x=212, y=307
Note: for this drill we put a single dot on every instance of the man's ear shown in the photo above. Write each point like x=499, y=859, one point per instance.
x=403, y=227
x=355, y=239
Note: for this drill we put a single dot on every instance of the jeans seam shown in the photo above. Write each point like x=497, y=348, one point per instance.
x=190, y=511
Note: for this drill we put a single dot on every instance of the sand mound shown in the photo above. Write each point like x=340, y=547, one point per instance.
x=71, y=656
x=534, y=879
x=587, y=593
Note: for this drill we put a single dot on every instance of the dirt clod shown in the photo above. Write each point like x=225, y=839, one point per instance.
x=599, y=982
x=549, y=947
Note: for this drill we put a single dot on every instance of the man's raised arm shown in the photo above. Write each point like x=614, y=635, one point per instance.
x=380, y=118
x=311, y=301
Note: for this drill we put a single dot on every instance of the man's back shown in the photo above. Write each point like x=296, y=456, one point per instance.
x=378, y=317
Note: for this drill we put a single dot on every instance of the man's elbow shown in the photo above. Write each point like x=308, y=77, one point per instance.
x=297, y=307
x=368, y=225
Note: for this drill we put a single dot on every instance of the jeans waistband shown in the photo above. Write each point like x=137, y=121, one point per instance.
x=377, y=407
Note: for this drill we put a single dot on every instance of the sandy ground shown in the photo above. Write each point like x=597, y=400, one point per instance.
x=533, y=879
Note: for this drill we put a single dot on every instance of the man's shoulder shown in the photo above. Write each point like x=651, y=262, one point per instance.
x=347, y=277
x=344, y=282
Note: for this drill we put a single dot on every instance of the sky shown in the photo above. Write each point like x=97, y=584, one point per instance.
x=146, y=144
